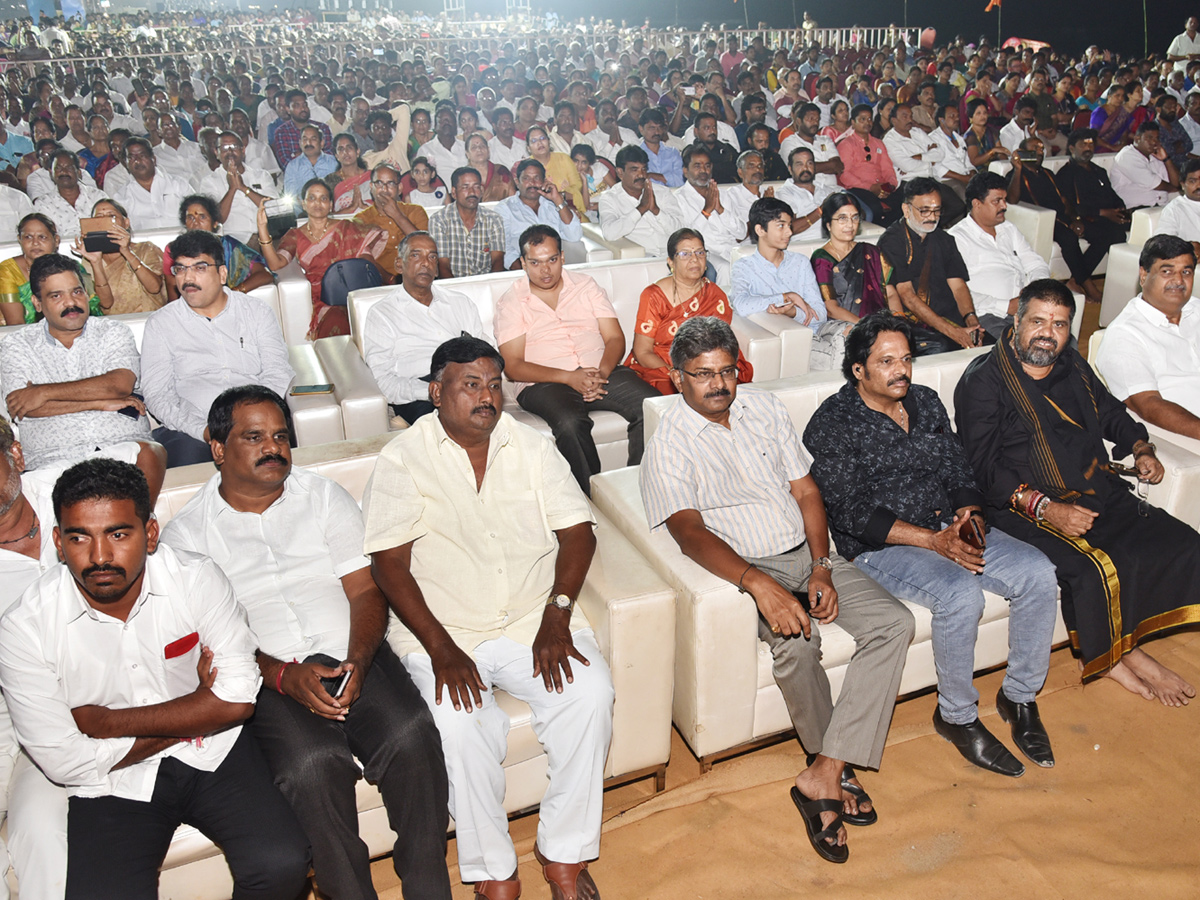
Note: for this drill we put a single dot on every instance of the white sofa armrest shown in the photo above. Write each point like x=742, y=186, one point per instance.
x=760, y=347
x=713, y=622
x=364, y=408
x=1036, y=224
x=316, y=418
x=295, y=303
x=622, y=248
x=1120, y=280
x=795, y=342
x=632, y=611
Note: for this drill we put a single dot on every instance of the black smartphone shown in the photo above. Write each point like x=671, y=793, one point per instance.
x=333, y=686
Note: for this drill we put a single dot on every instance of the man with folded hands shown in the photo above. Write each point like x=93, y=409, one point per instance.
x=290, y=542
x=904, y=506
x=725, y=475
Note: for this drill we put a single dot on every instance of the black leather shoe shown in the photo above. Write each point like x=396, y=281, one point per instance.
x=979, y=746
x=1027, y=730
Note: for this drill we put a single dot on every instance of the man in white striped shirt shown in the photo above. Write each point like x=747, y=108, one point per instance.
x=725, y=475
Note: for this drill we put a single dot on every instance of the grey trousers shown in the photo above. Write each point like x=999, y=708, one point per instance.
x=854, y=730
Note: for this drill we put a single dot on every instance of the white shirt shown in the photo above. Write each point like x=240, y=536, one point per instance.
x=186, y=162
x=157, y=207
x=259, y=156
x=904, y=150
x=69, y=143
x=1136, y=177
x=286, y=564
x=1184, y=45
x=603, y=147
x=401, y=333
x=505, y=156
x=242, y=221
x=738, y=200
x=40, y=183
x=445, y=161
x=954, y=155
x=1143, y=351
x=66, y=217
x=1000, y=266
x=14, y=206
x=803, y=203
x=823, y=150
x=188, y=359
x=1180, y=217
x=722, y=231
x=1012, y=134
x=1192, y=127
x=57, y=653
x=619, y=218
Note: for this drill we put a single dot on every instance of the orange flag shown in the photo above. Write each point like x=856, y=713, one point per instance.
x=992, y=4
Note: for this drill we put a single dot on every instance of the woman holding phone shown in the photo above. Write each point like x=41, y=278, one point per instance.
x=128, y=279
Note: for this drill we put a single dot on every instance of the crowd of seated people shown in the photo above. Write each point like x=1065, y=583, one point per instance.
x=485, y=155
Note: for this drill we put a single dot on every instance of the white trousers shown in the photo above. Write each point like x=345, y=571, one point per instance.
x=574, y=728
x=36, y=809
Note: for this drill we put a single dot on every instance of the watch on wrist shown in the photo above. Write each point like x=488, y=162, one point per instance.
x=824, y=562
x=562, y=601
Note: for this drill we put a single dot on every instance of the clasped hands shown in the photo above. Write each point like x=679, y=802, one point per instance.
x=587, y=381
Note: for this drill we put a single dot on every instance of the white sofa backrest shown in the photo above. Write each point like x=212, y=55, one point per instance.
x=1143, y=225
x=622, y=280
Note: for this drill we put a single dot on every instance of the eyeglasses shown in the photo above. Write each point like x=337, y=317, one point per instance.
x=847, y=220
x=706, y=375
x=1141, y=486
x=692, y=254
x=928, y=212
x=199, y=268
x=379, y=182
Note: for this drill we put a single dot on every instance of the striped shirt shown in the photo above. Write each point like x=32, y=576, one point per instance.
x=738, y=478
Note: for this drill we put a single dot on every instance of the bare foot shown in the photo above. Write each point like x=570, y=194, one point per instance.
x=1169, y=688
x=853, y=804
x=823, y=781
x=1126, y=678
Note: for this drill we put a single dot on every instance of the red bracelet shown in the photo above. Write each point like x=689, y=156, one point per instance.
x=279, y=677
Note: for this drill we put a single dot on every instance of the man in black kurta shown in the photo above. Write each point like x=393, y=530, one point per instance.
x=1033, y=418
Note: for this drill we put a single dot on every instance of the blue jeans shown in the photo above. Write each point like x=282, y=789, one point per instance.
x=1014, y=570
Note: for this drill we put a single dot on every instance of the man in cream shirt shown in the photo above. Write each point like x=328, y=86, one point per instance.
x=1181, y=217
x=480, y=539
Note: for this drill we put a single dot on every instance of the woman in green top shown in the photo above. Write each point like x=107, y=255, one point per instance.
x=38, y=236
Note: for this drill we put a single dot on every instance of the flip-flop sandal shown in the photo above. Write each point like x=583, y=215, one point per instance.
x=859, y=818
x=810, y=812
x=568, y=881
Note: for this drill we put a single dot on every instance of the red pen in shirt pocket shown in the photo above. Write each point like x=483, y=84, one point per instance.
x=182, y=646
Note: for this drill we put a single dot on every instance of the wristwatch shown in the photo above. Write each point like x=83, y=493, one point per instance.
x=824, y=562
x=562, y=601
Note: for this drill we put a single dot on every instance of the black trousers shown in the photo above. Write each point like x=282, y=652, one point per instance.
x=882, y=211
x=410, y=412
x=1100, y=235
x=566, y=413
x=115, y=846
x=182, y=449
x=390, y=729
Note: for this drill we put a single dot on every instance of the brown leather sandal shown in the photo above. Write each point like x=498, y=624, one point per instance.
x=568, y=881
x=509, y=889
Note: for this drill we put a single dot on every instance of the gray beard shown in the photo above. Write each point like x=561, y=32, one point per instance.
x=1034, y=356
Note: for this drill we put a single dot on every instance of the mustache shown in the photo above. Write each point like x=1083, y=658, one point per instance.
x=270, y=458
x=903, y=379
x=107, y=567
x=721, y=392
x=71, y=309
x=485, y=408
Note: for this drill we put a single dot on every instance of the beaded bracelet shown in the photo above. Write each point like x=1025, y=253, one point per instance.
x=1039, y=512
x=1015, y=500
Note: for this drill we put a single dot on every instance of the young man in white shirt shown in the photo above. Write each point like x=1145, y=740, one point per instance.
x=631, y=209
x=193, y=350
x=520, y=633
x=1022, y=126
x=1150, y=357
x=143, y=738
x=998, y=257
x=290, y=542
x=403, y=329
x=1142, y=173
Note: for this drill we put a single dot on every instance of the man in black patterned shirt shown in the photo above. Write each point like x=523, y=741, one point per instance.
x=901, y=495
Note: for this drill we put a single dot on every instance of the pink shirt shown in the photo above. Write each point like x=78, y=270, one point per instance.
x=566, y=337
x=861, y=172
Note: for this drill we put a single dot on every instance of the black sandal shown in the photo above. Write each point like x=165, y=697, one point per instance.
x=860, y=818
x=810, y=812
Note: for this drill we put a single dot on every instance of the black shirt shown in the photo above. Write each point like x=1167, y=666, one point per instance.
x=1088, y=188
x=723, y=159
x=872, y=472
x=907, y=253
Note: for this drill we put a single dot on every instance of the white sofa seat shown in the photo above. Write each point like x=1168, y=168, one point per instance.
x=622, y=280
x=631, y=609
x=1036, y=223
x=725, y=694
